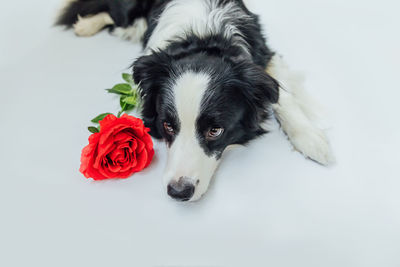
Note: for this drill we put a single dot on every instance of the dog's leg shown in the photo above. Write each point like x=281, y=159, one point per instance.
x=296, y=113
x=132, y=33
x=90, y=25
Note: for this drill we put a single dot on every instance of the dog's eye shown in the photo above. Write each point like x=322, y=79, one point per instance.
x=215, y=133
x=168, y=128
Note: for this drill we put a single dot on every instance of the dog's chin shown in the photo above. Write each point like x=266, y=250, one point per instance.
x=199, y=193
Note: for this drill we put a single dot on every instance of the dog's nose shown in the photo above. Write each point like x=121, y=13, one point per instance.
x=182, y=190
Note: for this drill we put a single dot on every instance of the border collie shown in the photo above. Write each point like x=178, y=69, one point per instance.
x=207, y=81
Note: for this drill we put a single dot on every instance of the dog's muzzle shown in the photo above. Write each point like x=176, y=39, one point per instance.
x=181, y=190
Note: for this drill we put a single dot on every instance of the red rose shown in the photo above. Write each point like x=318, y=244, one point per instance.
x=121, y=148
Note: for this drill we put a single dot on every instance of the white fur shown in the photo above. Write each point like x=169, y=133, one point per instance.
x=297, y=114
x=202, y=17
x=186, y=156
x=132, y=33
x=90, y=25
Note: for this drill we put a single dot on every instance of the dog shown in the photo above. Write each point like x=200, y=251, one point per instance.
x=207, y=80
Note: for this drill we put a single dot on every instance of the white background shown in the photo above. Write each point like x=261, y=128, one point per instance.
x=267, y=206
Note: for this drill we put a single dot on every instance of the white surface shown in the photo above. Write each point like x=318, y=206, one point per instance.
x=268, y=206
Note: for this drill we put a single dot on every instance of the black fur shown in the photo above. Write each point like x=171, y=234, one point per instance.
x=123, y=12
x=240, y=92
x=237, y=100
x=250, y=29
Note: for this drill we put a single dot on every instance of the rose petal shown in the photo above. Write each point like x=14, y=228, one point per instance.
x=122, y=147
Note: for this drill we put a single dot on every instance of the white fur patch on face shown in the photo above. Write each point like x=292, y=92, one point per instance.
x=186, y=157
x=202, y=18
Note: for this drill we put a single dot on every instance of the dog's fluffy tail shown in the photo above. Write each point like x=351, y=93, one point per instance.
x=69, y=14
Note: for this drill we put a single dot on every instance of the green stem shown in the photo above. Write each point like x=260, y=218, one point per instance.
x=122, y=110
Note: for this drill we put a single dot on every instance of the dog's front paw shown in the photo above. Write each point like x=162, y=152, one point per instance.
x=313, y=143
x=86, y=27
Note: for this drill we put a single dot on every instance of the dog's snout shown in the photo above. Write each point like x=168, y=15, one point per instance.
x=182, y=190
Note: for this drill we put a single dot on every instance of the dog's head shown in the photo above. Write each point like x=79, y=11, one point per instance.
x=201, y=104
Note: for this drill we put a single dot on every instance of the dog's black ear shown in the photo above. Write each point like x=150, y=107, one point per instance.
x=150, y=73
x=265, y=89
x=259, y=90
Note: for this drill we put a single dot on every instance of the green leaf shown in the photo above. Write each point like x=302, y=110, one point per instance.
x=100, y=117
x=93, y=129
x=128, y=78
x=125, y=106
x=129, y=107
x=121, y=89
x=121, y=101
x=130, y=100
